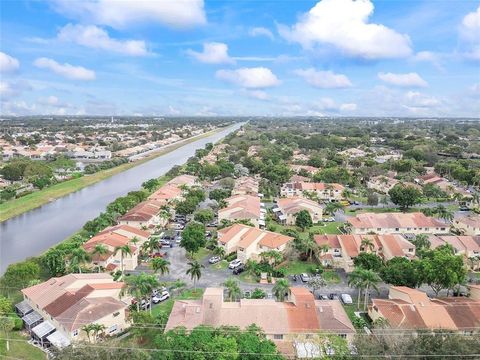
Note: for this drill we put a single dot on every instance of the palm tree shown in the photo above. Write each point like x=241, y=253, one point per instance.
x=124, y=250
x=140, y=287
x=443, y=213
x=370, y=279
x=271, y=255
x=251, y=267
x=355, y=279
x=151, y=244
x=233, y=290
x=332, y=207
x=367, y=243
x=97, y=329
x=195, y=272
x=160, y=265
x=280, y=289
x=219, y=251
x=78, y=257
x=100, y=250
x=89, y=328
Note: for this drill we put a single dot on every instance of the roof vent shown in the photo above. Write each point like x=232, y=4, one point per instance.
x=197, y=310
x=321, y=309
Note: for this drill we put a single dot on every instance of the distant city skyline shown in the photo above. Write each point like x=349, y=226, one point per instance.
x=240, y=58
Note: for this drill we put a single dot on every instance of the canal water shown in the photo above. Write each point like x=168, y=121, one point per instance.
x=35, y=231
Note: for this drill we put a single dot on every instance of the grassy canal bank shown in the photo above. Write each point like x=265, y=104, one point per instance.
x=31, y=201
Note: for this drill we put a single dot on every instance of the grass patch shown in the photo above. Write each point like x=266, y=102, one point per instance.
x=298, y=267
x=222, y=265
x=20, y=349
x=31, y=201
x=246, y=277
x=201, y=254
x=165, y=307
x=331, y=277
x=327, y=228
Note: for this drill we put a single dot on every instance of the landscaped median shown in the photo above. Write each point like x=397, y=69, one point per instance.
x=31, y=201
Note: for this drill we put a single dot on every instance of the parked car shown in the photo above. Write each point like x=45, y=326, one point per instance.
x=239, y=269
x=214, y=259
x=322, y=297
x=178, y=226
x=159, y=254
x=328, y=219
x=294, y=277
x=333, y=296
x=159, y=291
x=164, y=295
x=304, y=277
x=213, y=224
x=234, y=264
x=145, y=304
x=346, y=299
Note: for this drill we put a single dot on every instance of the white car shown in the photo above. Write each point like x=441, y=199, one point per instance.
x=346, y=299
x=159, y=291
x=234, y=264
x=304, y=277
x=214, y=259
x=161, y=297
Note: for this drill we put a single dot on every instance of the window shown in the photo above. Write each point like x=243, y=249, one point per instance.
x=115, y=314
x=112, y=329
x=379, y=229
x=397, y=229
x=75, y=333
x=278, y=337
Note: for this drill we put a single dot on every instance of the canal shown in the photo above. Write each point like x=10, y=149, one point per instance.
x=33, y=232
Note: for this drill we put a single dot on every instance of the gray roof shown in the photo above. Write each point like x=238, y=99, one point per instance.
x=32, y=318
x=58, y=340
x=43, y=329
x=24, y=307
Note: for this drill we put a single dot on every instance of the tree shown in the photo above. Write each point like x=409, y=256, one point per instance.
x=88, y=329
x=443, y=213
x=233, y=290
x=367, y=245
x=372, y=199
x=54, y=260
x=316, y=282
x=151, y=245
x=97, y=329
x=78, y=257
x=258, y=294
x=99, y=250
x=400, y=271
x=332, y=207
x=303, y=220
x=442, y=269
x=364, y=279
x=271, y=256
x=355, y=279
x=124, y=251
x=204, y=216
x=7, y=324
x=140, y=287
x=422, y=244
x=195, y=272
x=193, y=237
x=160, y=265
x=368, y=261
x=280, y=289
x=404, y=196
x=151, y=184
x=6, y=306
x=19, y=275
x=219, y=251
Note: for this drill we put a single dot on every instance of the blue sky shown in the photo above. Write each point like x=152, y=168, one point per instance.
x=257, y=57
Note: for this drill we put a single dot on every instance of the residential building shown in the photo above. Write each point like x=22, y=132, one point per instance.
x=144, y=215
x=167, y=193
x=63, y=305
x=382, y=184
x=474, y=291
x=392, y=223
x=282, y=322
x=185, y=179
x=249, y=242
x=243, y=207
x=304, y=168
x=286, y=209
x=353, y=153
x=468, y=225
x=467, y=246
x=410, y=309
x=343, y=249
x=442, y=183
x=246, y=185
x=113, y=238
x=323, y=191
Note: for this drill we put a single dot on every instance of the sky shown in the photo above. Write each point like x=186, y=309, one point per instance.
x=259, y=57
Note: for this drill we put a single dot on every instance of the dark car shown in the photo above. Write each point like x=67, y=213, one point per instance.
x=239, y=270
x=294, y=277
x=333, y=296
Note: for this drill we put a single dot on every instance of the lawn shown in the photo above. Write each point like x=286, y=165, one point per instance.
x=222, y=265
x=31, y=201
x=327, y=228
x=166, y=306
x=201, y=254
x=298, y=267
x=20, y=349
x=331, y=277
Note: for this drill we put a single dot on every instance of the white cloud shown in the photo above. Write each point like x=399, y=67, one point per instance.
x=417, y=99
x=257, y=77
x=95, y=37
x=431, y=57
x=66, y=70
x=470, y=34
x=348, y=107
x=213, y=53
x=257, y=94
x=173, y=111
x=10, y=89
x=344, y=25
x=124, y=13
x=50, y=100
x=8, y=63
x=403, y=80
x=261, y=31
x=324, y=79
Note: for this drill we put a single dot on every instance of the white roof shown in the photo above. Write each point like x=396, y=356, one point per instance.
x=32, y=318
x=282, y=217
x=276, y=209
x=24, y=307
x=43, y=329
x=58, y=340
